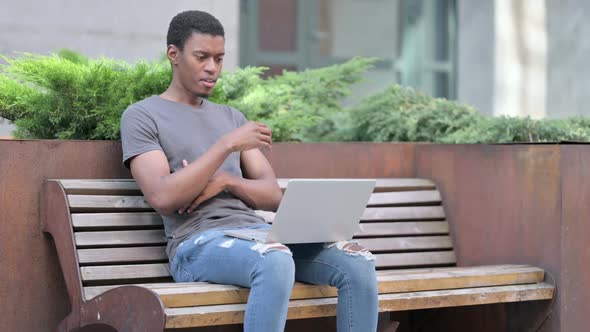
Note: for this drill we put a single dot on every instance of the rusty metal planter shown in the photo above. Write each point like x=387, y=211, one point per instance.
x=523, y=203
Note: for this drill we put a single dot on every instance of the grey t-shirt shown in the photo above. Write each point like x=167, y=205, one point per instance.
x=186, y=132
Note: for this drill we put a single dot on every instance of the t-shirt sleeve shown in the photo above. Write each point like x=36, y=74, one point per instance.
x=239, y=117
x=139, y=133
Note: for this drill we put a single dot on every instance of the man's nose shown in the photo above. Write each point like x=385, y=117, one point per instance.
x=211, y=66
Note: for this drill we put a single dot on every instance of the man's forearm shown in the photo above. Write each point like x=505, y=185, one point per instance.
x=176, y=190
x=261, y=194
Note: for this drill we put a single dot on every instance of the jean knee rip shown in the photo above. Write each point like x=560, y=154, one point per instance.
x=263, y=248
x=228, y=243
x=197, y=240
x=352, y=248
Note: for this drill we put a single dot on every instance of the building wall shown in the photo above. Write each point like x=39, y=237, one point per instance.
x=5, y=128
x=568, y=68
x=130, y=30
x=475, y=54
x=521, y=58
x=520, y=76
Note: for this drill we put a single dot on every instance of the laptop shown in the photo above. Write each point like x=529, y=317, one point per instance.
x=315, y=210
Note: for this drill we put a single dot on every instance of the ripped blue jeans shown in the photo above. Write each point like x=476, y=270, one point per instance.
x=269, y=270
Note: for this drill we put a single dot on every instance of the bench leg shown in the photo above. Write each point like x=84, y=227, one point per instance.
x=127, y=308
x=386, y=323
x=391, y=326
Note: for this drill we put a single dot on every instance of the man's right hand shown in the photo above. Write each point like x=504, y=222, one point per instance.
x=250, y=136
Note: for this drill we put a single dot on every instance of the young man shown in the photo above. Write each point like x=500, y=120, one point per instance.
x=200, y=166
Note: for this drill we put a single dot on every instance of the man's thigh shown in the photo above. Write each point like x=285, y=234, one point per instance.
x=320, y=263
x=214, y=257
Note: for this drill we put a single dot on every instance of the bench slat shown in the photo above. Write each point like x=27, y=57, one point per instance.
x=387, y=213
x=403, y=228
x=126, y=186
x=466, y=296
x=157, y=253
x=399, y=260
x=116, y=220
x=405, y=198
x=404, y=213
x=157, y=236
x=521, y=270
x=234, y=313
x=127, y=220
x=139, y=271
x=100, y=187
x=202, y=293
x=96, y=203
x=407, y=243
x=125, y=272
x=122, y=255
x=120, y=238
x=402, y=184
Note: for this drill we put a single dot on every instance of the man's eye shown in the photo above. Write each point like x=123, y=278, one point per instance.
x=219, y=60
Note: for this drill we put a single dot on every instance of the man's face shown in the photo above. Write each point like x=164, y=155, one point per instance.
x=199, y=64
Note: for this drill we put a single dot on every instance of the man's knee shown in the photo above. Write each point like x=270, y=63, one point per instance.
x=277, y=262
x=264, y=248
x=358, y=264
x=352, y=248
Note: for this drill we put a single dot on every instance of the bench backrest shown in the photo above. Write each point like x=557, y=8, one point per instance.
x=119, y=238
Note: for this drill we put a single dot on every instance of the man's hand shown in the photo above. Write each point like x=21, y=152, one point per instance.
x=217, y=183
x=250, y=136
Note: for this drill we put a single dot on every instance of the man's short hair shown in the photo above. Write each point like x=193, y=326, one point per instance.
x=184, y=24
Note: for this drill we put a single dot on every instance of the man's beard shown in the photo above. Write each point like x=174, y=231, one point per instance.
x=203, y=95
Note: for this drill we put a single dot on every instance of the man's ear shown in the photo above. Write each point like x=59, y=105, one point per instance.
x=172, y=53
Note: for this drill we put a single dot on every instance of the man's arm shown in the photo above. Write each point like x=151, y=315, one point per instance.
x=167, y=192
x=258, y=188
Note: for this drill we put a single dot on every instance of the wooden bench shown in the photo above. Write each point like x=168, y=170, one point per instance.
x=111, y=244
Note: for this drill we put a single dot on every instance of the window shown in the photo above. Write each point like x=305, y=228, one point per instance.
x=414, y=39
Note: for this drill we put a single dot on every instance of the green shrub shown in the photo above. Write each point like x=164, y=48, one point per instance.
x=295, y=104
x=508, y=129
x=68, y=96
x=404, y=115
